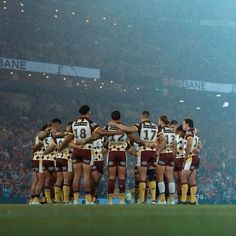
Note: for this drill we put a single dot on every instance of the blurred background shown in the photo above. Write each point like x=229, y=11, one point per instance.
x=140, y=49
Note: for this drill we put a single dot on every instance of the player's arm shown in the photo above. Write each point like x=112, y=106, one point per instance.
x=103, y=132
x=188, y=146
x=59, y=134
x=136, y=139
x=75, y=145
x=198, y=149
x=65, y=142
x=125, y=128
x=44, y=133
x=175, y=148
x=95, y=136
x=50, y=148
x=131, y=151
x=161, y=141
x=37, y=147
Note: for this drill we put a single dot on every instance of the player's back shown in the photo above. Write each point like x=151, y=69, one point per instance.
x=170, y=138
x=116, y=142
x=83, y=129
x=147, y=131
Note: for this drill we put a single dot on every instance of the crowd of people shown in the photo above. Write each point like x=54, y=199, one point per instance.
x=134, y=63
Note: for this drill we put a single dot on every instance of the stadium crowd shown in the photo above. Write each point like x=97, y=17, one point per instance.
x=23, y=114
x=119, y=47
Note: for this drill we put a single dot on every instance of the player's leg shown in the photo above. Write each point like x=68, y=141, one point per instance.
x=57, y=186
x=193, y=186
x=47, y=185
x=136, y=183
x=152, y=184
x=142, y=170
x=40, y=186
x=76, y=181
x=121, y=180
x=177, y=175
x=87, y=168
x=184, y=185
x=160, y=171
x=66, y=186
x=47, y=188
x=96, y=176
x=171, y=185
x=184, y=179
x=33, y=187
x=59, y=180
x=111, y=183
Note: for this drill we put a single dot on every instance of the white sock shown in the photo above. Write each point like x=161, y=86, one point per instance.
x=172, y=188
x=161, y=187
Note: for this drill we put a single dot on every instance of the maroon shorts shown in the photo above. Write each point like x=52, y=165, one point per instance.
x=98, y=166
x=147, y=159
x=48, y=165
x=179, y=164
x=166, y=159
x=82, y=156
x=192, y=163
x=61, y=165
x=35, y=165
x=116, y=158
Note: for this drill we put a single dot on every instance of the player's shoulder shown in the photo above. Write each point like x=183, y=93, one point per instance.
x=189, y=133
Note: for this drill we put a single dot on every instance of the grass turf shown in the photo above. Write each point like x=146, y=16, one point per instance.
x=117, y=220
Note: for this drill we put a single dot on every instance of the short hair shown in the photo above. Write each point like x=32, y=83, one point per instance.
x=83, y=110
x=189, y=122
x=180, y=128
x=44, y=127
x=69, y=123
x=146, y=114
x=115, y=115
x=174, y=122
x=165, y=120
x=56, y=120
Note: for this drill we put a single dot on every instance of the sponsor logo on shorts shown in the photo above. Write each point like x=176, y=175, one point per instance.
x=87, y=161
x=161, y=162
x=144, y=162
x=64, y=168
x=110, y=163
x=51, y=168
x=123, y=163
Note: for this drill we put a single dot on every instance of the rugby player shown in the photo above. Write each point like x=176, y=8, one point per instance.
x=180, y=155
x=165, y=164
x=191, y=163
x=83, y=130
x=147, y=132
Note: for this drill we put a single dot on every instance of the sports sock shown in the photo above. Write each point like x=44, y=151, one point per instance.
x=57, y=193
x=161, y=187
x=142, y=187
x=152, y=187
x=47, y=192
x=171, y=191
x=184, y=190
x=66, y=193
x=193, y=192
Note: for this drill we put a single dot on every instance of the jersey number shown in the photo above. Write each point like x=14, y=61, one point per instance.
x=147, y=134
x=82, y=133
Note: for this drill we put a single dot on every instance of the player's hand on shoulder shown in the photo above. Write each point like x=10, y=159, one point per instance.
x=120, y=132
x=111, y=123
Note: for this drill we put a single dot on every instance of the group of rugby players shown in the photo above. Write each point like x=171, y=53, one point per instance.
x=167, y=157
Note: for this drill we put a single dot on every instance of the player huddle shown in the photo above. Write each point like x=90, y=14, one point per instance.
x=167, y=160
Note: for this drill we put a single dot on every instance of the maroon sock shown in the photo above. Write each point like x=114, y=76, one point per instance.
x=111, y=186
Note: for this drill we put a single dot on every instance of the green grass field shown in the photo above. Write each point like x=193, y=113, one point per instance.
x=117, y=220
